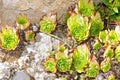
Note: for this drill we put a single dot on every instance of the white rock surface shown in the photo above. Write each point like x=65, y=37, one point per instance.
x=31, y=61
x=16, y=4
x=33, y=57
x=21, y=76
x=4, y=71
x=100, y=77
x=34, y=9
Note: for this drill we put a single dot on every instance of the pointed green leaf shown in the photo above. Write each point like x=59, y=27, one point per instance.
x=112, y=37
x=115, y=9
x=105, y=65
x=93, y=69
x=117, y=53
x=109, y=52
x=103, y=36
x=97, y=46
x=86, y=7
x=96, y=25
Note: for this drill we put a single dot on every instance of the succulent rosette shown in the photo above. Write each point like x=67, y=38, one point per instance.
x=9, y=38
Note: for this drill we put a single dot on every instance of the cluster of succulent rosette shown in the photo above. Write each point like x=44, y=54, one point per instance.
x=10, y=36
x=83, y=23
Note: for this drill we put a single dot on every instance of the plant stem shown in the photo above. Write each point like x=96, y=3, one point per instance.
x=59, y=39
x=113, y=5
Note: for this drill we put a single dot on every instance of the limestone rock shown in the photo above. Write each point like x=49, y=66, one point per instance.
x=21, y=76
x=4, y=71
x=16, y=4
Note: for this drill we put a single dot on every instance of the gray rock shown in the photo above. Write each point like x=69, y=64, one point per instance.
x=4, y=71
x=33, y=57
x=0, y=4
x=16, y=4
x=21, y=76
x=35, y=28
x=34, y=9
x=36, y=4
x=100, y=77
x=9, y=17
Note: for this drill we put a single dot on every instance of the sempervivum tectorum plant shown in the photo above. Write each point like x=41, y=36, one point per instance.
x=8, y=38
x=111, y=77
x=105, y=65
x=22, y=22
x=48, y=23
x=113, y=37
x=81, y=58
x=29, y=35
x=79, y=27
x=103, y=36
x=50, y=65
x=86, y=7
x=93, y=69
x=63, y=62
x=96, y=25
x=109, y=52
x=97, y=46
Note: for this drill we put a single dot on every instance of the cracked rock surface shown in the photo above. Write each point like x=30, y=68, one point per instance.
x=30, y=63
x=34, y=9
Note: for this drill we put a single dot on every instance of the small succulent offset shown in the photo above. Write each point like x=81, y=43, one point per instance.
x=97, y=45
x=109, y=52
x=96, y=25
x=103, y=36
x=61, y=48
x=22, y=22
x=9, y=38
x=50, y=65
x=86, y=7
x=117, y=53
x=29, y=35
x=81, y=58
x=93, y=68
x=48, y=23
x=63, y=63
x=79, y=27
x=64, y=79
x=111, y=77
x=113, y=37
x=105, y=65
x=110, y=37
